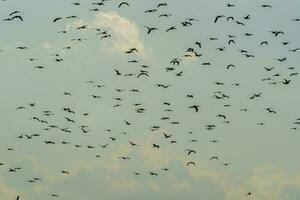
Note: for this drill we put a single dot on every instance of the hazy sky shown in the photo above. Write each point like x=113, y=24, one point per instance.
x=262, y=159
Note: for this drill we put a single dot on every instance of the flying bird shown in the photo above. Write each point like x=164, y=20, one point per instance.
x=123, y=3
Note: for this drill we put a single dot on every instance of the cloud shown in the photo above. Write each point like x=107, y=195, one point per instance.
x=7, y=192
x=124, y=33
x=121, y=183
x=153, y=185
x=267, y=182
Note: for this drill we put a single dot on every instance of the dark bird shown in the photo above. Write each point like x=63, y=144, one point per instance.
x=153, y=174
x=118, y=73
x=162, y=4
x=56, y=19
x=270, y=110
x=131, y=50
x=240, y=23
x=264, y=42
x=14, y=17
x=247, y=17
x=230, y=65
x=218, y=17
x=171, y=28
x=20, y=107
x=198, y=44
x=255, y=95
x=266, y=6
x=150, y=11
x=123, y=3
x=165, y=15
x=179, y=73
x=69, y=120
x=214, y=157
x=294, y=50
x=133, y=144
x=269, y=69
x=231, y=41
x=191, y=151
x=167, y=136
x=64, y=172
x=190, y=163
x=226, y=164
x=285, y=81
x=230, y=18
x=196, y=107
x=150, y=29
x=142, y=73
x=82, y=27
x=222, y=116
x=230, y=5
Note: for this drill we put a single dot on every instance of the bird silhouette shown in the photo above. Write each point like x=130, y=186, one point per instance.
x=195, y=107
x=150, y=29
x=123, y=3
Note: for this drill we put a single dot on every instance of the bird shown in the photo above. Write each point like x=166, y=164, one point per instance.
x=123, y=3
x=150, y=11
x=16, y=17
x=64, y=172
x=198, y=44
x=142, y=74
x=82, y=27
x=165, y=15
x=269, y=69
x=56, y=19
x=191, y=151
x=153, y=174
x=150, y=29
x=264, y=43
x=161, y=4
x=133, y=144
x=118, y=73
x=131, y=50
x=214, y=157
x=218, y=17
x=286, y=82
x=270, y=110
x=171, y=28
x=266, y=6
x=195, y=107
x=247, y=17
x=167, y=136
x=230, y=5
x=222, y=116
x=255, y=95
x=190, y=163
x=230, y=65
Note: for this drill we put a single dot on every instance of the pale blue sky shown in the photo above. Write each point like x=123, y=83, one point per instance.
x=264, y=158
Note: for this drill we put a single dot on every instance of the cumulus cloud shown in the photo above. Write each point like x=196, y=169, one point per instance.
x=125, y=33
x=7, y=192
x=121, y=183
x=267, y=182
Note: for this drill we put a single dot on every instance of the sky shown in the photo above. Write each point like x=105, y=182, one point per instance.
x=256, y=149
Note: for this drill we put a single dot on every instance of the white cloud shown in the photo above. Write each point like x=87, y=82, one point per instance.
x=125, y=33
x=7, y=192
x=121, y=183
